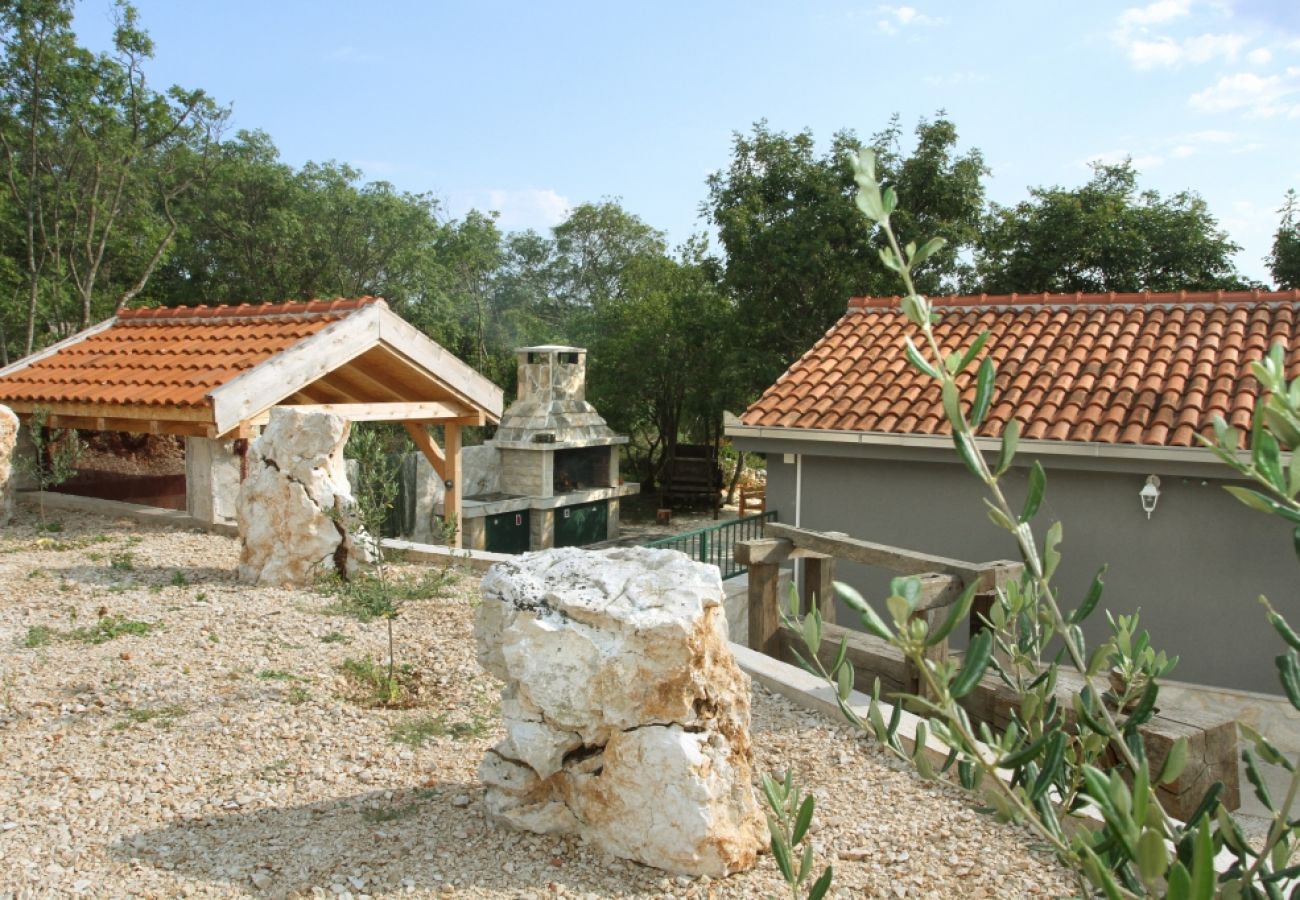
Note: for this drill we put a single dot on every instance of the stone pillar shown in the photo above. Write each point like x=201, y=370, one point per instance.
x=541, y=529
x=473, y=532
x=611, y=521
x=8, y=440
x=211, y=479
x=626, y=716
x=295, y=510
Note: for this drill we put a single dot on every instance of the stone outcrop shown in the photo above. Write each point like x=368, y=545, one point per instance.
x=295, y=506
x=8, y=440
x=626, y=716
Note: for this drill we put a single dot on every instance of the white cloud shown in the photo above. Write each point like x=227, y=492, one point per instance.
x=1154, y=13
x=1260, y=56
x=896, y=18
x=1149, y=154
x=1168, y=52
x=528, y=208
x=1259, y=96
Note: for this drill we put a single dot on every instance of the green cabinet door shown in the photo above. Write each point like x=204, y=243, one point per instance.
x=585, y=523
x=507, y=532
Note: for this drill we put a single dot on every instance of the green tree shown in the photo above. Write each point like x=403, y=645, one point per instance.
x=1284, y=261
x=661, y=355
x=795, y=248
x=94, y=162
x=1105, y=236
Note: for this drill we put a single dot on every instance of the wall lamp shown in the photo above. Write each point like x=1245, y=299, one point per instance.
x=1150, y=494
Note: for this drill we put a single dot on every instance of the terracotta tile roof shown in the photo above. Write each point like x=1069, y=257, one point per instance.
x=170, y=356
x=1144, y=368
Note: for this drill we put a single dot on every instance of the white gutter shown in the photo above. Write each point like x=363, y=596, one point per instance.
x=993, y=445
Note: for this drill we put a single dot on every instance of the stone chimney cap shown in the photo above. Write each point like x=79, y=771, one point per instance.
x=551, y=348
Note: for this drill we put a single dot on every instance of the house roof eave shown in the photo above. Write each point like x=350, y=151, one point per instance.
x=1074, y=449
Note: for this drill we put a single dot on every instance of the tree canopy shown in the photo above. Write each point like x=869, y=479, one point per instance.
x=1105, y=236
x=1284, y=260
x=796, y=247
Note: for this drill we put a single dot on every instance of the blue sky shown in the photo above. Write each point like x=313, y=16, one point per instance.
x=530, y=108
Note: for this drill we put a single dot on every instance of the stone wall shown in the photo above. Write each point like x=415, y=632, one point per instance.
x=527, y=473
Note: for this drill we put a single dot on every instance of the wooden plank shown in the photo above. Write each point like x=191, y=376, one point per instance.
x=392, y=412
x=132, y=426
x=939, y=591
x=461, y=380
x=896, y=559
x=424, y=443
x=870, y=657
x=451, y=505
x=764, y=614
x=289, y=371
x=762, y=551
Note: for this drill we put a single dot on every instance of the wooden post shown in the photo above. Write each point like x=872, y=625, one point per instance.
x=764, y=612
x=937, y=653
x=451, y=506
x=819, y=583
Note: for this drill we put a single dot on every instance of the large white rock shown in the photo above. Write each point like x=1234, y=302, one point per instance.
x=295, y=507
x=627, y=719
x=8, y=440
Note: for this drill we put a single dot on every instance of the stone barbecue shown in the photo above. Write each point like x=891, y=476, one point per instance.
x=550, y=478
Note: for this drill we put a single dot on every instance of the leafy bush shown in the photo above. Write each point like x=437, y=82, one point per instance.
x=1048, y=766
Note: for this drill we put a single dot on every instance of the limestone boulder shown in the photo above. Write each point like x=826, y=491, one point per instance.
x=626, y=716
x=8, y=441
x=295, y=510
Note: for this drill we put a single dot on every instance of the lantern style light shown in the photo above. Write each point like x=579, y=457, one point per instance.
x=1150, y=494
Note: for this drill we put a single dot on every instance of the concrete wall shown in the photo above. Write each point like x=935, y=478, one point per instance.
x=1195, y=569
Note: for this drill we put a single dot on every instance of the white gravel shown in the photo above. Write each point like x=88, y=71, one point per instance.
x=215, y=756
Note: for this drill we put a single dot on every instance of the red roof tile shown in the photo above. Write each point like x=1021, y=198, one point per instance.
x=171, y=356
x=1145, y=368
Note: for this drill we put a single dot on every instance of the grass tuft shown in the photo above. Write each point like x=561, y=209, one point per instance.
x=107, y=628
x=415, y=733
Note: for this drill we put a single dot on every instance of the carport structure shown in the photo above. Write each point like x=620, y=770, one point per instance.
x=213, y=374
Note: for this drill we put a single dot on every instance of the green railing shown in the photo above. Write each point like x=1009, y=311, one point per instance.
x=716, y=544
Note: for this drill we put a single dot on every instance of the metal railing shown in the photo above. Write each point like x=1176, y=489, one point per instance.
x=716, y=544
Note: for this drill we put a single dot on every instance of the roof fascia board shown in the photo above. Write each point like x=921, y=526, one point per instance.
x=457, y=376
x=1078, y=449
x=54, y=348
x=287, y=372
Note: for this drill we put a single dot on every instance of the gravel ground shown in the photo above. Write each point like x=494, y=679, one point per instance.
x=216, y=755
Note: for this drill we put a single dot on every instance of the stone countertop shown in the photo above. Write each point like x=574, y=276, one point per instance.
x=471, y=509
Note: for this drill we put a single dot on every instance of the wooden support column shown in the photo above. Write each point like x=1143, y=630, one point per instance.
x=764, y=610
x=424, y=442
x=819, y=586
x=451, y=506
x=763, y=557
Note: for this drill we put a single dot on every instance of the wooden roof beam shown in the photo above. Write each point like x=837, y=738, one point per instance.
x=394, y=412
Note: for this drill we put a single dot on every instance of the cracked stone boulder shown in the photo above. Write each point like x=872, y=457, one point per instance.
x=295, y=504
x=626, y=716
x=8, y=440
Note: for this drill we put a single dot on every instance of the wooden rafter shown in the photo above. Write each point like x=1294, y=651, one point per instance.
x=392, y=412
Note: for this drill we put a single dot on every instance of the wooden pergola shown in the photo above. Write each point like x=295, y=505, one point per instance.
x=217, y=372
